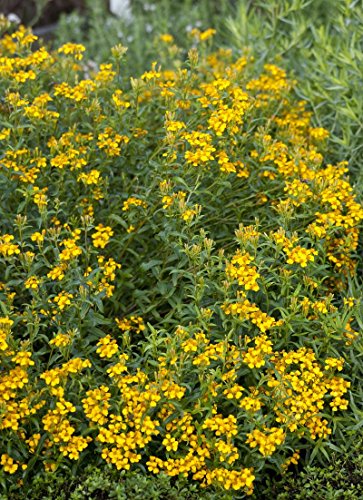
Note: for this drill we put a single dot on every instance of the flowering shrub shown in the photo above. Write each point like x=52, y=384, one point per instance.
x=175, y=259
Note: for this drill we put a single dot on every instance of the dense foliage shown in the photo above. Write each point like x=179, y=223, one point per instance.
x=340, y=478
x=178, y=268
x=320, y=41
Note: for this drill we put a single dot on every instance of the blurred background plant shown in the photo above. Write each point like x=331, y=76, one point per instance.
x=40, y=12
x=99, y=30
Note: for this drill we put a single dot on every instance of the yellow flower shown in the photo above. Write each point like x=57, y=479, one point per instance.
x=267, y=441
x=96, y=404
x=91, y=177
x=239, y=268
x=58, y=272
x=119, y=101
x=166, y=38
x=4, y=133
x=63, y=300
x=8, y=463
x=300, y=255
x=22, y=358
x=32, y=283
x=38, y=237
x=102, y=236
x=61, y=340
x=7, y=248
x=170, y=443
x=152, y=74
x=132, y=201
x=75, y=49
x=107, y=347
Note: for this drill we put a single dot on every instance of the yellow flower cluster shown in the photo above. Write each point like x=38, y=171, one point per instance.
x=132, y=323
x=108, y=275
x=105, y=74
x=22, y=69
x=75, y=49
x=55, y=376
x=37, y=110
x=78, y=93
x=245, y=310
x=63, y=300
x=8, y=463
x=96, y=405
x=61, y=431
x=294, y=459
x=189, y=213
x=152, y=74
x=251, y=404
x=295, y=254
x=7, y=248
x=239, y=268
x=267, y=440
x=202, y=36
x=107, y=347
x=118, y=100
x=227, y=166
x=61, y=340
x=338, y=207
x=4, y=133
x=71, y=250
x=299, y=388
x=298, y=191
x=202, y=149
x=110, y=142
x=102, y=236
x=222, y=426
x=5, y=326
x=269, y=85
x=255, y=356
x=91, y=177
x=32, y=282
x=133, y=201
x=300, y=255
x=58, y=272
x=15, y=406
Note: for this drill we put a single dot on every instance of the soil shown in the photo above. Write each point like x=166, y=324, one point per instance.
x=39, y=13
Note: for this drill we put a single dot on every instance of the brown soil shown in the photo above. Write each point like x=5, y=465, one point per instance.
x=40, y=12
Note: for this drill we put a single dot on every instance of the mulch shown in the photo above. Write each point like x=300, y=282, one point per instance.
x=29, y=15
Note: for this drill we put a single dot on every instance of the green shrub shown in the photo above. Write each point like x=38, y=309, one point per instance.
x=107, y=484
x=178, y=265
x=340, y=478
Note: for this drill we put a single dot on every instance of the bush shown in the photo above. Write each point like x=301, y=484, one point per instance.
x=340, y=478
x=178, y=262
x=103, y=484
